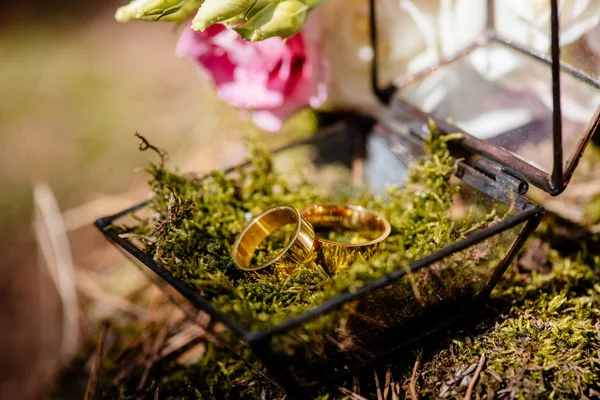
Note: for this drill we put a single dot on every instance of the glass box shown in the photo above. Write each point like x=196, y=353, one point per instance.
x=506, y=100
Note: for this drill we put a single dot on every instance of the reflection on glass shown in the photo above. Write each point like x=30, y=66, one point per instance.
x=528, y=23
x=383, y=167
x=360, y=330
x=501, y=95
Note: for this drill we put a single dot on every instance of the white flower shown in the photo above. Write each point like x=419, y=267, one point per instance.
x=457, y=24
x=411, y=34
x=528, y=22
x=417, y=34
x=500, y=89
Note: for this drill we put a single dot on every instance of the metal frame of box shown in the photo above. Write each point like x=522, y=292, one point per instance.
x=527, y=213
x=553, y=183
x=516, y=173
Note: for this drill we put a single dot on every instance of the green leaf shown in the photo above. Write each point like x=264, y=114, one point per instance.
x=214, y=11
x=155, y=10
x=283, y=18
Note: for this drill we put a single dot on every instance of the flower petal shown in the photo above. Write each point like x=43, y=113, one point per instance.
x=249, y=90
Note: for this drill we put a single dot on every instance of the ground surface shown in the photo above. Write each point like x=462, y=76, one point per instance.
x=76, y=86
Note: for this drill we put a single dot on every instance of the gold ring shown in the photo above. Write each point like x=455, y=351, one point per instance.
x=297, y=250
x=371, y=227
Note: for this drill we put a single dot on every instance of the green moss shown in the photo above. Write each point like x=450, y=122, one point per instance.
x=540, y=339
x=592, y=211
x=544, y=344
x=195, y=222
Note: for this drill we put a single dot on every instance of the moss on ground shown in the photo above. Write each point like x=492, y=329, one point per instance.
x=196, y=221
x=543, y=344
x=538, y=337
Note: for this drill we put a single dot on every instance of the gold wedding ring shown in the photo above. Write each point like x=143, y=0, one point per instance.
x=371, y=227
x=297, y=250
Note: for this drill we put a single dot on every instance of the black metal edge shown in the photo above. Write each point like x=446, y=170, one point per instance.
x=383, y=94
x=557, y=181
x=305, y=389
x=198, y=301
x=531, y=225
x=261, y=344
x=187, y=291
x=481, y=182
x=515, y=165
x=409, y=136
x=593, y=125
x=553, y=183
x=332, y=129
x=104, y=223
x=335, y=302
x=291, y=384
x=320, y=134
x=445, y=321
x=567, y=68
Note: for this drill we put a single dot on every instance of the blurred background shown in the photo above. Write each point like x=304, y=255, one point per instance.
x=76, y=86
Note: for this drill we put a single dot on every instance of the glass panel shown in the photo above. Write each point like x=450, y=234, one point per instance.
x=528, y=23
x=393, y=315
x=501, y=95
x=382, y=166
x=412, y=35
x=381, y=320
x=201, y=331
x=418, y=34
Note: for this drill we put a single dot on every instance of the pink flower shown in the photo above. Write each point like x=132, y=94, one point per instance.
x=273, y=79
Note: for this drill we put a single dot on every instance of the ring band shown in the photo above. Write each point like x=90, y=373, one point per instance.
x=346, y=217
x=297, y=250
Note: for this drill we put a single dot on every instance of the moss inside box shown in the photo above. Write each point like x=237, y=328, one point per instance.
x=538, y=338
x=195, y=222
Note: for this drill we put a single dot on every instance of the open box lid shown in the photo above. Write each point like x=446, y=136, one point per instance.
x=525, y=113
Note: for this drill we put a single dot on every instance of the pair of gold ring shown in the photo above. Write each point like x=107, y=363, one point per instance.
x=372, y=226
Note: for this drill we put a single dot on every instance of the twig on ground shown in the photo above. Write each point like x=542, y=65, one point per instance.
x=414, y=395
x=131, y=346
x=156, y=393
x=124, y=373
x=377, y=387
x=153, y=357
x=97, y=365
x=388, y=381
x=355, y=384
x=145, y=145
x=51, y=236
x=352, y=395
x=469, y=391
x=396, y=391
x=183, y=338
